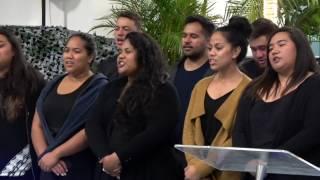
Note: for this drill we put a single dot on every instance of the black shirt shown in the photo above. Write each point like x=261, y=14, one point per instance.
x=16, y=134
x=61, y=103
x=141, y=141
x=209, y=123
x=297, y=125
x=264, y=119
x=184, y=82
x=108, y=67
x=250, y=68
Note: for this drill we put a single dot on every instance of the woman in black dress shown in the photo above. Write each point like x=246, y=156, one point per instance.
x=135, y=117
x=20, y=86
x=62, y=109
x=280, y=110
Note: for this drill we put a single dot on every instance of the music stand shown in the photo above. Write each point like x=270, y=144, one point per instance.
x=259, y=161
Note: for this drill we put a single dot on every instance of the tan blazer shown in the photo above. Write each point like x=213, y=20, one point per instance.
x=192, y=132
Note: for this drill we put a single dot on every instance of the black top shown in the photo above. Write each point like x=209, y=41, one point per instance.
x=141, y=141
x=184, y=82
x=209, y=123
x=250, y=68
x=264, y=118
x=61, y=103
x=16, y=134
x=108, y=67
x=297, y=127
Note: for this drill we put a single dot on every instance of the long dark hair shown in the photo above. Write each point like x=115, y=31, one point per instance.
x=151, y=73
x=21, y=82
x=305, y=62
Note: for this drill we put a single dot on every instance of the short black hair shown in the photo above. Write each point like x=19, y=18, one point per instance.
x=206, y=24
x=262, y=27
x=132, y=16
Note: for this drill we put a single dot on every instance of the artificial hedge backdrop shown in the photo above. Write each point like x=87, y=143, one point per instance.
x=43, y=47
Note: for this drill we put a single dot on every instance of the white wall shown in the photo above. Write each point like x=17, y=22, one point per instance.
x=73, y=14
x=77, y=14
x=20, y=12
x=218, y=7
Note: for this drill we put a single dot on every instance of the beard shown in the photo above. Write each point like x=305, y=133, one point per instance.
x=196, y=55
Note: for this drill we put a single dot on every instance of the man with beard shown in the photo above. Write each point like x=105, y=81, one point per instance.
x=261, y=30
x=194, y=64
x=126, y=22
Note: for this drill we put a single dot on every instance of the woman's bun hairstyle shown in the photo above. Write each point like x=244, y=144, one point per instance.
x=240, y=24
x=237, y=33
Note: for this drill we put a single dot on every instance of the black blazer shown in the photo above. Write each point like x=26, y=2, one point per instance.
x=298, y=132
x=141, y=142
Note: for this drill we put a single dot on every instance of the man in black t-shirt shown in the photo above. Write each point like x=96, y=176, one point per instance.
x=193, y=65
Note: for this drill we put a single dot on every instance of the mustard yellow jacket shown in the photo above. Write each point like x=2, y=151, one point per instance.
x=192, y=132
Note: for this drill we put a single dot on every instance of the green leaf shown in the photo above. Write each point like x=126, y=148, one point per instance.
x=162, y=19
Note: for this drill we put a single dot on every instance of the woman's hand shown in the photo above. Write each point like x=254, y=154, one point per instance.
x=48, y=161
x=60, y=169
x=190, y=173
x=111, y=165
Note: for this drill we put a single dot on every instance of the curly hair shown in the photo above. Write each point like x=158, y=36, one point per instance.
x=151, y=72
